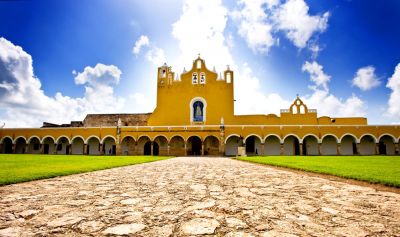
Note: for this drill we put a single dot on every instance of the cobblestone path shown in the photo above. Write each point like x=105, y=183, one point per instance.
x=196, y=196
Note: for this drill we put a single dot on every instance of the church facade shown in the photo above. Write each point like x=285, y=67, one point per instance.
x=195, y=116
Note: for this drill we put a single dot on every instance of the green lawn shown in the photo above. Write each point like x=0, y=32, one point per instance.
x=374, y=169
x=21, y=168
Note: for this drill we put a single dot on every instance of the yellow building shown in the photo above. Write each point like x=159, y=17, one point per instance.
x=195, y=116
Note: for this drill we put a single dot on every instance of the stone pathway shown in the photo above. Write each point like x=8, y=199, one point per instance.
x=196, y=196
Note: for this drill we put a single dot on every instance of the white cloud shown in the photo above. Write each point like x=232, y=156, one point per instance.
x=260, y=20
x=394, y=100
x=326, y=103
x=141, y=42
x=365, y=79
x=25, y=104
x=317, y=74
x=153, y=54
x=292, y=17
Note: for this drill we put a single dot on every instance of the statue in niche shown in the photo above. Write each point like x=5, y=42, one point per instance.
x=198, y=111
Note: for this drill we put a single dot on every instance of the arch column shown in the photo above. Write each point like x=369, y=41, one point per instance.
x=376, y=148
x=151, y=148
x=202, y=148
x=282, y=149
x=262, y=148
x=396, y=148
x=222, y=147
x=102, y=147
x=338, y=151
x=41, y=147
x=168, y=148
x=84, y=149
x=118, y=149
x=301, y=149
x=1, y=147
x=13, y=148
x=319, y=149
x=186, y=151
x=357, y=148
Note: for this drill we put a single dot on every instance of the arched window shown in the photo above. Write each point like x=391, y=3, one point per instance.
x=202, y=78
x=194, y=78
x=198, y=114
x=228, y=77
x=198, y=64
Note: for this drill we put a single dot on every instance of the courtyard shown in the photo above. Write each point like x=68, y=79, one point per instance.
x=189, y=196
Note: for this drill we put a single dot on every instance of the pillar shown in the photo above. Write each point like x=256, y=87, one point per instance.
x=1, y=147
x=358, y=148
x=222, y=148
x=396, y=148
x=338, y=151
x=26, y=150
x=41, y=148
x=186, y=151
x=262, y=149
x=13, y=148
x=151, y=148
x=118, y=149
x=102, y=147
x=282, y=149
x=376, y=148
x=85, y=149
x=54, y=149
x=301, y=148
x=168, y=149
x=319, y=149
x=202, y=148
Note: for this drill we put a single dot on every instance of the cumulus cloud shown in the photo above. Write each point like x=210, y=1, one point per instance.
x=26, y=105
x=260, y=20
x=317, y=74
x=153, y=54
x=141, y=42
x=394, y=100
x=365, y=78
x=326, y=103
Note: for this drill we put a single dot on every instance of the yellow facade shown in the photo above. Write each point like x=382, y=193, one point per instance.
x=195, y=116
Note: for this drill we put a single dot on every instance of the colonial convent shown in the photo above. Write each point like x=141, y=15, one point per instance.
x=195, y=116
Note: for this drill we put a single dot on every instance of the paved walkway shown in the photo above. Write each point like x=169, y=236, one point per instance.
x=195, y=196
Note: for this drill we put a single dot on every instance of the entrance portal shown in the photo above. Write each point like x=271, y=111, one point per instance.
x=156, y=149
x=147, y=148
x=195, y=145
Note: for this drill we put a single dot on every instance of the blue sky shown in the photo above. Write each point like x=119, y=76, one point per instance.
x=337, y=55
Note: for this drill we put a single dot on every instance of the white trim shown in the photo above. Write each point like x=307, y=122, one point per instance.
x=58, y=139
x=195, y=99
x=2, y=139
x=351, y=135
x=48, y=136
x=330, y=134
x=194, y=136
x=15, y=140
x=77, y=136
x=123, y=138
x=311, y=135
x=104, y=138
x=144, y=136
x=387, y=134
x=368, y=134
x=176, y=135
x=232, y=135
x=261, y=140
x=29, y=139
x=166, y=138
x=291, y=134
x=90, y=137
x=273, y=135
x=211, y=136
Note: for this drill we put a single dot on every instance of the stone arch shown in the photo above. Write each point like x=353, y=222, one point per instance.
x=369, y=134
x=348, y=144
x=367, y=144
x=107, y=137
x=144, y=145
x=211, y=145
x=32, y=137
x=253, y=144
x=7, y=145
x=63, y=145
x=90, y=137
x=329, y=145
x=386, y=145
x=272, y=145
x=194, y=145
x=93, y=145
x=128, y=145
x=77, y=145
x=232, y=142
x=108, y=146
x=291, y=145
x=387, y=134
x=177, y=146
x=20, y=145
x=15, y=140
x=330, y=134
x=160, y=146
x=63, y=136
x=310, y=145
x=291, y=134
x=48, y=143
x=231, y=135
x=34, y=145
x=9, y=137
